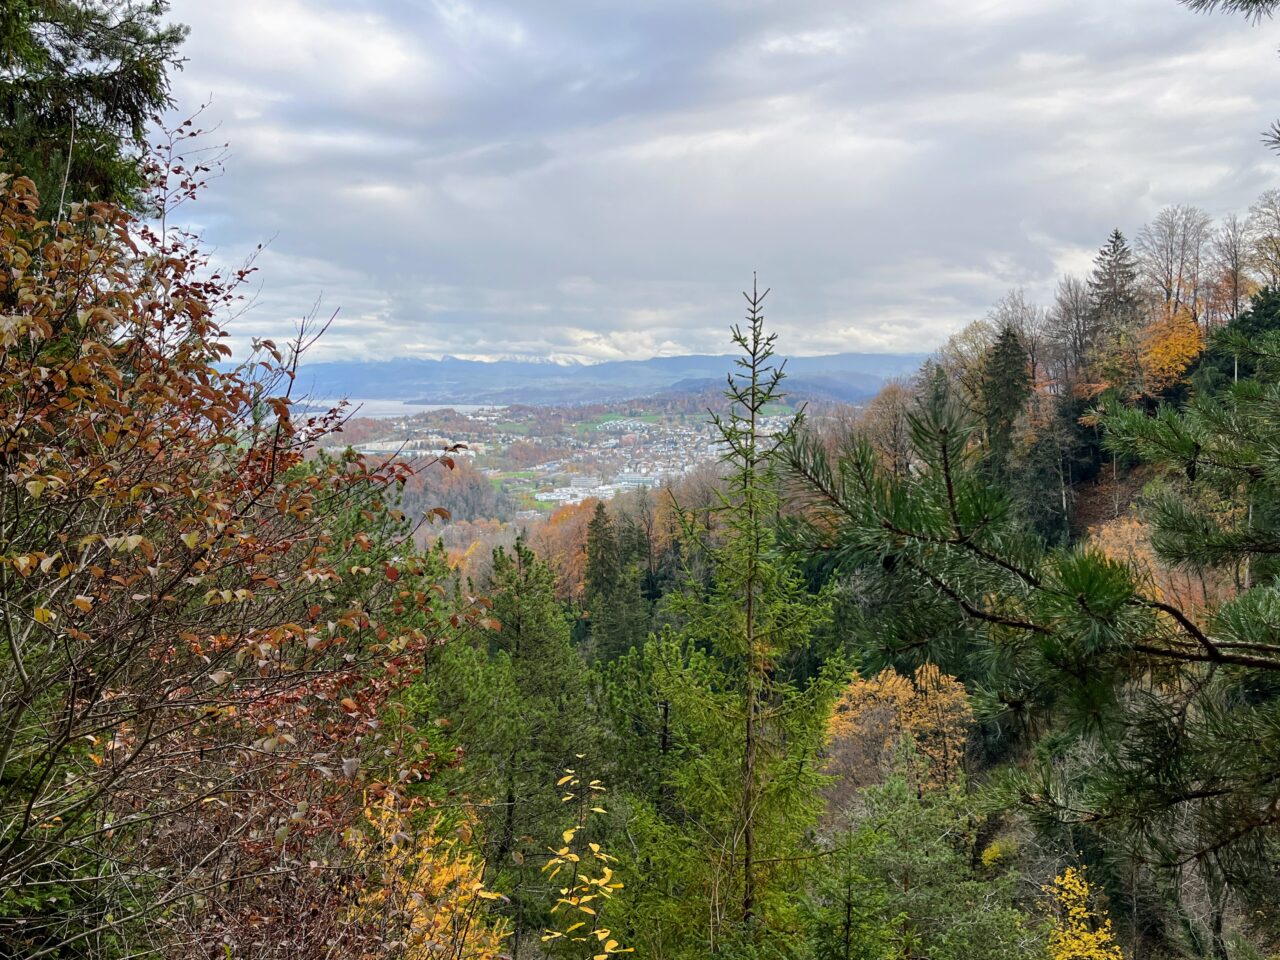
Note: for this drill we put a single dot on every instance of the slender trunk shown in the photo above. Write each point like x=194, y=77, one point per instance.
x=1248, y=566
x=751, y=479
x=66, y=173
x=1062, y=486
x=664, y=747
x=1115, y=485
x=748, y=829
x=848, y=923
x=507, y=844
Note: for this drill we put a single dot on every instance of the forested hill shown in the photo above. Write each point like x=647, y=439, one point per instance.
x=844, y=376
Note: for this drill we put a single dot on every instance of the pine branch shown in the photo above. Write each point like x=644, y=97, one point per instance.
x=1255, y=10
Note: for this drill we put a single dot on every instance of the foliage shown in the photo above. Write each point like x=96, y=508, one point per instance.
x=871, y=717
x=206, y=628
x=516, y=703
x=423, y=895
x=722, y=841
x=906, y=882
x=79, y=82
x=1079, y=932
x=584, y=897
x=618, y=614
x=1157, y=698
x=1006, y=385
x=1168, y=346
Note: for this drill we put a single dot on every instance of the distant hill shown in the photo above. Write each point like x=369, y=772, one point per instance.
x=842, y=376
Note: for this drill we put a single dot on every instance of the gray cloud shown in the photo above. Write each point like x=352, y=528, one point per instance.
x=598, y=178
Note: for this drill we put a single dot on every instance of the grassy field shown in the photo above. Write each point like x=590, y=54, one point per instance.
x=596, y=422
x=519, y=429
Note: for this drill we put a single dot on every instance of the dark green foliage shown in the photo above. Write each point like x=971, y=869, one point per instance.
x=617, y=610
x=1063, y=454
x=1006, y=386
x=517, y=705
x=79, y=82
x=1229, y=356
x=1113, y=284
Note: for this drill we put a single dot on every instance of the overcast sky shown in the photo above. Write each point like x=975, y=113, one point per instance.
x=598, y=178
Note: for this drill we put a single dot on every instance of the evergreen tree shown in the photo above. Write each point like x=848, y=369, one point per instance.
x=518, y=706
x=1115, y=364
x=1006, y=386
x=604, y=560
x=1113, y=284
x=1230, y=355
x=910, y=877
x=79, y=82
x=725, y=852
x=617, y=610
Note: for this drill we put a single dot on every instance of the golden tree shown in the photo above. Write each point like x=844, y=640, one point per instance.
x=1079, y=931
x=872, y=717
x=424, y=895
x=1166, y=348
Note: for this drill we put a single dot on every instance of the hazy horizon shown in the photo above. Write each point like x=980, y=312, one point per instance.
x=598, y=181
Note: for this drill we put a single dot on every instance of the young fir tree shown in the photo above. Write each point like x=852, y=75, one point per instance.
x=725, y=853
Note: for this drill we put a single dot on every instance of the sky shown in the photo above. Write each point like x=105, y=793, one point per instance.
x=598, y=179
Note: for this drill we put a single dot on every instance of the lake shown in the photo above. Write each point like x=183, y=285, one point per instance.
x=398, y=408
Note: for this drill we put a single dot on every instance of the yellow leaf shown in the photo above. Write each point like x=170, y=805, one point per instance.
x=35, y=488
x=44, y=615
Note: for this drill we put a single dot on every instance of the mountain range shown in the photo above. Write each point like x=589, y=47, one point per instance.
x=842, y=376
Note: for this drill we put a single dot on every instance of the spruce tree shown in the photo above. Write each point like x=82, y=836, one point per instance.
x=1113, y=285
x=618, y=613
x=604, y=561
x=79, y=82
x=1006, y=386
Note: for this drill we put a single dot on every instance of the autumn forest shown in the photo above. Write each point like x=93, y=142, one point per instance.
x=986, y=667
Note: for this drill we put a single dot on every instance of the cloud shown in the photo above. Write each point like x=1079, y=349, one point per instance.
x=599, y=180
